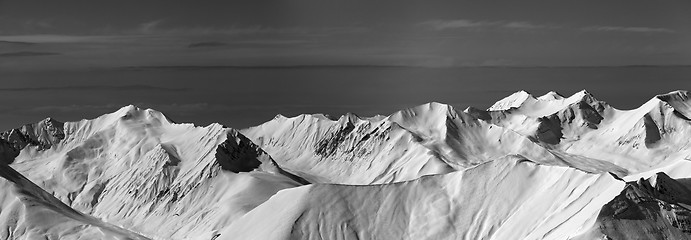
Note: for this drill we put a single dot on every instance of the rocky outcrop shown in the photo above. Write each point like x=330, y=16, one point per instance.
x=654, y=208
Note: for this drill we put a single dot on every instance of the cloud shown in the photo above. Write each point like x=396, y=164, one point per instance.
x=452, y=24
x=16, y=43
x=440, y=25
x=527, y=25
x=153, y=31
x=26, y=54
x=207, y=44
x=258, y=30
x=252, y=43
x=94, y=88
x=627, y=29
x=48, y=38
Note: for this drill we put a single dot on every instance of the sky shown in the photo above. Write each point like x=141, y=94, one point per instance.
x=240, y=62
x=80, y=34
x=244, y=97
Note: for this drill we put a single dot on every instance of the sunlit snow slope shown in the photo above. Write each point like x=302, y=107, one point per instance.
x=28, y=212
x=508, y=198
x=653, y=135
x=548, y=167
x=135, y=169
x=429, y=139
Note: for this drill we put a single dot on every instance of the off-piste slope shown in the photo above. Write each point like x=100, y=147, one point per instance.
x=28, y=212
x=136, y=169
x=588, y=136
x=346, y=150
x=653, y=135
x=428, y=139
x=550, y=167
x=508, y=198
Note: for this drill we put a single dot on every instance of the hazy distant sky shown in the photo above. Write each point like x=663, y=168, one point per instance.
x=243, y=97
x=45, y=34
x=65, y=58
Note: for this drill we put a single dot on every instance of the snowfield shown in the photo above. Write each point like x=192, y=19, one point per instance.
x=547, y=167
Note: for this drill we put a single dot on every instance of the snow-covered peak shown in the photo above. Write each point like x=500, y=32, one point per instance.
x=426, y=170
x=551, y=95
x=524, y=103
x=432, y=112
x=431, y=108
x=42, y=134
x=581, y=123
x=432, y=120
x=349, y=118
x=514, y=100
x=350, y=149
x=139, y=170
x=279, y=116
x=583, y=95
x=425, y=115
x=135, y=113
x=430, y=115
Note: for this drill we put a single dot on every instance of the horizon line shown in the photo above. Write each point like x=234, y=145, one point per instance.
x=201, y=67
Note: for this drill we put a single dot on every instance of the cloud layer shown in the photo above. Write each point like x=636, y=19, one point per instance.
x=429, y=43
x=628, y=29
x=26, y=54
x=94, y=88
x=440, y=25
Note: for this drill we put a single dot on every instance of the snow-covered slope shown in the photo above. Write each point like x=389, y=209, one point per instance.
x=404, y=146
x=428, y=139
x=348, y=150
x=579, y=131
x=509, y=198
x=651, y=136
x=28, y=212
x=43, y=134
x=548, y=167
x=136, y=169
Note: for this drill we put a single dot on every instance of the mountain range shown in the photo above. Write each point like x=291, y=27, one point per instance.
x=546, y=167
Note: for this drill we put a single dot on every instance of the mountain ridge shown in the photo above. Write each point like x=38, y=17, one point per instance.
x=565, y=163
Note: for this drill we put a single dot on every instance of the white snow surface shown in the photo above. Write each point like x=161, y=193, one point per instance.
x=641, y=139
x=28, y=212
x=137, y=170
x=526, y=168
x=509, y=198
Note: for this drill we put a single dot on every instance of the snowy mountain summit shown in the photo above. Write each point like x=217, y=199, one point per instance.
x=547, y=167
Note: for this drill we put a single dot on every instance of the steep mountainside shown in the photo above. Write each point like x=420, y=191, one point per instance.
x=509, y=198
x=548, y=167
x=28, y=212
x=656, y=208
x=428, y=139
x=136, y=169
x=651, y=136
